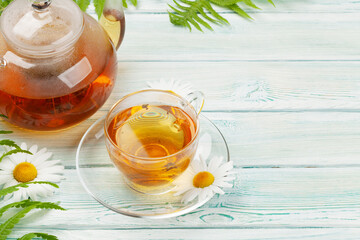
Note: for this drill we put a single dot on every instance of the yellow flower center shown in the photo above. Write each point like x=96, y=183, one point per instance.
x=203, y=180
x=25, y=172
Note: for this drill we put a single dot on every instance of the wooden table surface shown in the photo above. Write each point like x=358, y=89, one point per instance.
x=284, y=90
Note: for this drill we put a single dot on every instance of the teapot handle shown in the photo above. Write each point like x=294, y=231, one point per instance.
x=113, y=21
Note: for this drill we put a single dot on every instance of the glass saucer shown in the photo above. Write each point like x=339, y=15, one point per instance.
x=106, y=185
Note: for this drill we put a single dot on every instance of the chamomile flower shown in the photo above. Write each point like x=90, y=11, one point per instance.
x=202, y=181
x=23, y=168
x=176, y=86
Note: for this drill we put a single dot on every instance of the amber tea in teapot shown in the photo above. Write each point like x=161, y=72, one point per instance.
x=58, y=65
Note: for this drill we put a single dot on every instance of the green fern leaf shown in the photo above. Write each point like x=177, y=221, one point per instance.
x=124, y=3
x=239, y=11
x=270, y=1
x=99, y=7
x=188, y=14
x=14, y=188
x=22, y=204
x=11, y=152
x=251, y=4
x=44, y=236
x=28, y=203
x=6, y=227
x=5, y=132
x=49, y=205
x=9, y=143
x=134, y=2
x=83, y=4
x=224, y=3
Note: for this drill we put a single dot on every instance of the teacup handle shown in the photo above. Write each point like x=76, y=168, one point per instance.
x=2, y=62
x=196, y=99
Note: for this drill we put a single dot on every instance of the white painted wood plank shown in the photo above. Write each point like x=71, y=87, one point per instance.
x=254, y=86
x=274, y=36
x=200, y=234
x=255, y=139
x=261, y=198
x=146, y=6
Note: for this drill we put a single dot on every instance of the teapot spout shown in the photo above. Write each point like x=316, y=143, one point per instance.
x=113, y=21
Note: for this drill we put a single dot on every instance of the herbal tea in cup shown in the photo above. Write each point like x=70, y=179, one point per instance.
x=152, y=136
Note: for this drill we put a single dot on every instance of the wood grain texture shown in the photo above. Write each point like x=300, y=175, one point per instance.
x=258, y=139
x=151, y=6
x=260, y=198
x=200, y=234
x=273, y=37
x=253, y=86
x=284, y=90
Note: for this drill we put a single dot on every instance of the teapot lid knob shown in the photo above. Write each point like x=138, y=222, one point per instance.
x=40, y=4
x=41, y=27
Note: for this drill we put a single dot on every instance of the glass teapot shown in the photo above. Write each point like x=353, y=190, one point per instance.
x=57, y=64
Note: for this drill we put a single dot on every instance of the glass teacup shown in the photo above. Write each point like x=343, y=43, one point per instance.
x=152, y=136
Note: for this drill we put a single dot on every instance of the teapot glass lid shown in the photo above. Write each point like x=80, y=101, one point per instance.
x=41, y=27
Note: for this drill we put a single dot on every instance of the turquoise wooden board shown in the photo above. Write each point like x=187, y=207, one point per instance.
x=200, y=234
x=283, y=89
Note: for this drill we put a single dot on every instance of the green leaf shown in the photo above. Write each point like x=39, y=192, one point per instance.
x=239, y=11
x=224, y=3
x=28, y=202
x=6, y=227
x=22, y=204
x=251, y=4
x=9, y=143
x=270, y=1
x=99, y=7
x=83, y=4
x=187, y=13
x=11, y=152
x=14, y=188
x=5, y=132
x=124, y=3
x=134, y=2
x=45, y=236
x=2, y=115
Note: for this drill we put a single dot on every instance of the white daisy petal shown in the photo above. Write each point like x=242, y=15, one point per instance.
x=41, y=158
x=190, y=195
x=204, y=149
x=33, y=149
x=47, y=170
x=176, y=86
x=196, y=165
x=214, y=164
x=223, y=184
x=17, y=196
x=23, y=146
x=7, y=165
x=228, y=178
x=221, y=171
x=5, y=177
x=50, y=177
x=203, y=165
x=180, y=192
x=46, y=164
x=10, y=183
x=216, y=189
x=202, y=195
